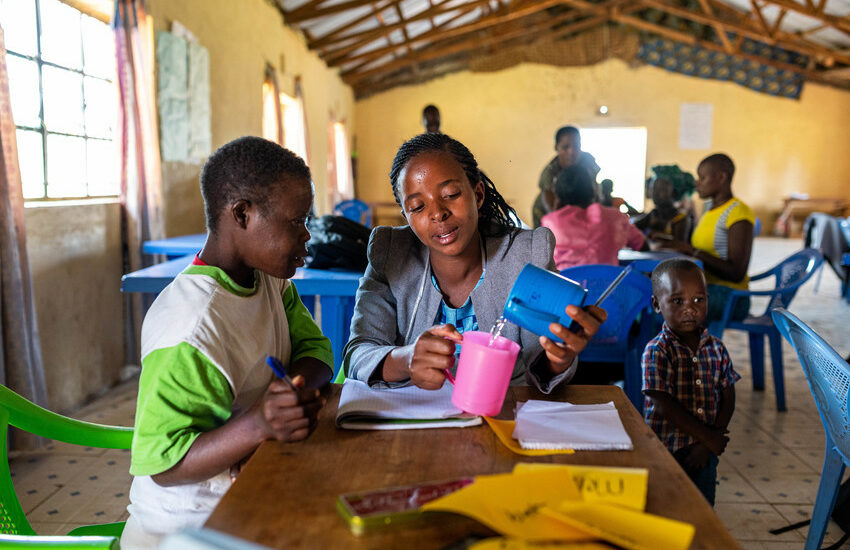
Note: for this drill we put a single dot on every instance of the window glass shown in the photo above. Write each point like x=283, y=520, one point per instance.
x=66, y=166
x=61, y=66
x=100, y=107
x=63, y=100
x=98, y=48
x=23, y=88
x=31, y=161
x=17, y=17
x=60, y=34
x=102, y=177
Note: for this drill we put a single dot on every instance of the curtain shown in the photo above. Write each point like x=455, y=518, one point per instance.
x=21, y=368
x=273, y=113
x=141, y=172
x=299, y=98
x=340, y=183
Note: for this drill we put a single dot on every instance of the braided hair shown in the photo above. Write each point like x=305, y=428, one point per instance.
x=495, y=217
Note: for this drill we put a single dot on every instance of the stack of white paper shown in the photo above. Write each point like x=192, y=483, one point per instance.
x=553, y=425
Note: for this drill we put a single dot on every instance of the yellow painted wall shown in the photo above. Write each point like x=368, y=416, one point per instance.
x=508, y=120
x=242, y=36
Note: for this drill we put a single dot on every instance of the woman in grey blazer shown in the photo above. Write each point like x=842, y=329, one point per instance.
x=460, y=254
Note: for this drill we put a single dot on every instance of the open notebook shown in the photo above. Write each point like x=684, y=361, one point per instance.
x=553, y=425
x=410, y=407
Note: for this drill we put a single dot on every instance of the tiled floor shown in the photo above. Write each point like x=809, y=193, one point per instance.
x=768, y=475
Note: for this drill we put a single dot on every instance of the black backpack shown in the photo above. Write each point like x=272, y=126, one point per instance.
x=337, y=243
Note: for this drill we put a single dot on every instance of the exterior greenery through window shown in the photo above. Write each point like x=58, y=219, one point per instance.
x=61, y=66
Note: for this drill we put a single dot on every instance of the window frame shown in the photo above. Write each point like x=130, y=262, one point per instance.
x=42, y=129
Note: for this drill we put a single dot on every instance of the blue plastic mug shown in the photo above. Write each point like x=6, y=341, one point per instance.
x=539, y=298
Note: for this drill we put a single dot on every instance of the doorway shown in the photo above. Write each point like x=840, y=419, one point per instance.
x=621, y=155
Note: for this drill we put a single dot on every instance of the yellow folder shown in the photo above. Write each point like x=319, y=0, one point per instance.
x=621, y=486
x=511, y=504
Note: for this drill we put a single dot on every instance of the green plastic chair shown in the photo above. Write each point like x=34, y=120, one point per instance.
x=15, y=530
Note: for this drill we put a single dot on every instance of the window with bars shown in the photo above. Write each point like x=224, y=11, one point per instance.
x=61, y=66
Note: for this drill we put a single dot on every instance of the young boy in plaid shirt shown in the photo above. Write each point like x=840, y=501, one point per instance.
x=688, y=379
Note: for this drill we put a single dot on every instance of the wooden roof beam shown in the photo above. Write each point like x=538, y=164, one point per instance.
x=690, y=39
x=371, y=55
x=309, y=12
x=840, y=23
x=396, y=79
x=440, y=34
x=474, y=42
x=326, y=47
x=784, y=40
x=719, y=29
x=776, y=24
x=379, y=7
x=760, y=17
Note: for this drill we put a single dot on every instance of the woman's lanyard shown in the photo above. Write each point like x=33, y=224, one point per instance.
x=424, y=279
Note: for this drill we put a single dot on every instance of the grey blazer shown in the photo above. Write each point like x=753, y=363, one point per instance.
x=396, y=301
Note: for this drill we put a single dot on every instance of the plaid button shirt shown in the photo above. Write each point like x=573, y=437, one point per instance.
x=696, y=380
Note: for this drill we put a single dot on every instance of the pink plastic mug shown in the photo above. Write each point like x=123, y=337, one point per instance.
x=483, y=373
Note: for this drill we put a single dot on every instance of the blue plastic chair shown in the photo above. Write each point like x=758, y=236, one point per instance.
x=615, y=343
x=829, y=380
x=790, y=275
x=355, y=210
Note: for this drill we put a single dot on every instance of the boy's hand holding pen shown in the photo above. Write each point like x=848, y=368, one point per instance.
x=289, y=409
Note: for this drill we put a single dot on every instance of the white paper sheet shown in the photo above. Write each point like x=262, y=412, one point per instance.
x=695, y=125
x=554, y=425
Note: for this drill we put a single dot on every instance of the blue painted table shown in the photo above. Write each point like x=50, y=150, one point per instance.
x=176, y=247
x=334, y=289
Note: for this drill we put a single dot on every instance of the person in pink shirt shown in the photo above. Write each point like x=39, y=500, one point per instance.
x=586, y=232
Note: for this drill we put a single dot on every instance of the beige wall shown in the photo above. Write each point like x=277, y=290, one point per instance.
x=75, y=249
x=75, y=260
x=241, y=38
x=508, y=120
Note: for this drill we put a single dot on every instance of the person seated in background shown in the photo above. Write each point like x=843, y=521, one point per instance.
x=431, y=118
x=672, y=217
x=608, y=199
x=723, y=238
x=586, y=232
x=568, y=147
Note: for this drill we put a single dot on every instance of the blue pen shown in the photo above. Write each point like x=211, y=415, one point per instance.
x=279, y=370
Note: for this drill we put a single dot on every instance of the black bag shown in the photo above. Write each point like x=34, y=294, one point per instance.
x=337, y=242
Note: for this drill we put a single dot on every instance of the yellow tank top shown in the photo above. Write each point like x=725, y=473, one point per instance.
x=712, y=235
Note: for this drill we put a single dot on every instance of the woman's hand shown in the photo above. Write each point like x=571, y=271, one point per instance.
x=562, y=355
x=431, y=354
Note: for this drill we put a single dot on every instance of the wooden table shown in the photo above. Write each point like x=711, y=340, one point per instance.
x=285, y=497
